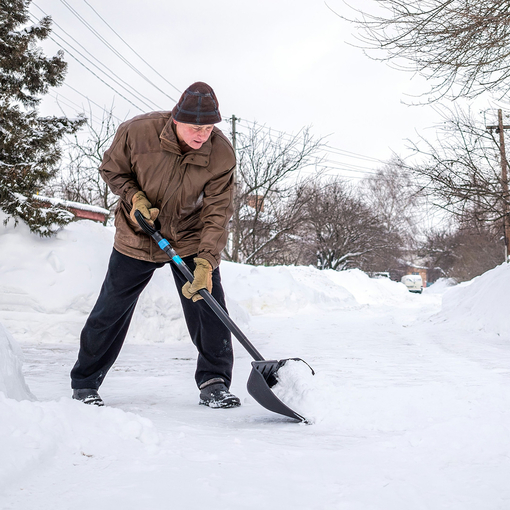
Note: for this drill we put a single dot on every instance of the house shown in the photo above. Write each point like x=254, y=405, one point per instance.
x=80, y=211
x=255, y=202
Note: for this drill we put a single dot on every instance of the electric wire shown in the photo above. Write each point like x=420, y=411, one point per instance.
x=61, y=99
x=330, y=164
x=109, y=112
x=333, y=164
x=136, y=94
x=98, y=77
x=325, y=147
x=333, y=149
x=133, y=50
x=111, y=47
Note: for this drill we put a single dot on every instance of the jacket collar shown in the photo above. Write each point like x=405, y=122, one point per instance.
x=169, y=143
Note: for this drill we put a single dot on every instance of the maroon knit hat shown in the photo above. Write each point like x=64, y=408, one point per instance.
x=197, y=105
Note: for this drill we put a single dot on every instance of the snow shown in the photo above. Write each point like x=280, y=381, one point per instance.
x=301, y=390
x=12, y=382
x=69, y=203
x=481, y=304
x=409, y=404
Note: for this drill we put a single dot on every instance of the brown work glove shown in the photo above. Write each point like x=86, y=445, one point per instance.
x=202, y=279
x=140, y=203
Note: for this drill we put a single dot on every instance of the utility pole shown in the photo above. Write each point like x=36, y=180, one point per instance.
x=500, y=128
x=233, y=119
x=235, y=232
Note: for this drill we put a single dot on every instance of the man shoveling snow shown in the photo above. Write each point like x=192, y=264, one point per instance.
x=177, y=167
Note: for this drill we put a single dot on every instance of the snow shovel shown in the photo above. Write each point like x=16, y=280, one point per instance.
x=263, y=374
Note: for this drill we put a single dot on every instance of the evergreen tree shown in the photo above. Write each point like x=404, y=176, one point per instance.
x=29, y=144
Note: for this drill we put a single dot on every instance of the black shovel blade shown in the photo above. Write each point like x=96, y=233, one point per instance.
x=262, y=379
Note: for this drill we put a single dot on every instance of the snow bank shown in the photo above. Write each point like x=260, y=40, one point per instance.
x=281, y=289
x=289, y=289
x=49, y=285
x=12, y=382
x=37, y=432
x=440, y=286
x=371, y=291
x=480, y=304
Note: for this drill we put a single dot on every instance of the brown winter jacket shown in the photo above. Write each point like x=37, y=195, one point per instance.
x=193, y=191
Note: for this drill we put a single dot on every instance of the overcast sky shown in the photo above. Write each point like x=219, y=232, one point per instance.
x=284, y=64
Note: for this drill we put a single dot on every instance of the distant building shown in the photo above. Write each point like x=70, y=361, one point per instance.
x=422, y=271
x=255, y=202
x=80, y=211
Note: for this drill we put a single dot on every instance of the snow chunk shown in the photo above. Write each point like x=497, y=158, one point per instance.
x=12, y=382
x=300, y=390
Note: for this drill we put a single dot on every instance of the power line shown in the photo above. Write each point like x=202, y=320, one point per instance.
x=326, y=148
x=334, y=165
x=60, y=98
x=353, y=154
x=94, y=74
x=137, y=54
x=136, y=94
x=347, y=168
x=111, y=47
x=93, y=102
x=329, y=148
x=319, y=163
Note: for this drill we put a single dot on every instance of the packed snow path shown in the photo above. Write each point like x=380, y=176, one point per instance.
x=408, y=416
x=411, y=401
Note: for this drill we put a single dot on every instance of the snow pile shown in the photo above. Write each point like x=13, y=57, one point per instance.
x=12, y=382
x=281, y=289
x=302, y=391
x=68, y=203
x=406, y=413
x=36, y=432
x=49, y=285
x=371, y=291
x=290, y=289
x=481, y=304
x=440, y=286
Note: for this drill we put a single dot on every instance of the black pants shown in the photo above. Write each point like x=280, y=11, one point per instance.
x=107, y=325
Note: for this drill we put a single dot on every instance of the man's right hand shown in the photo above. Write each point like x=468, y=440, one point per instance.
x=140, y=203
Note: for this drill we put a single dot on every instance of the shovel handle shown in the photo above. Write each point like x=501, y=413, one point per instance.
x=208, y=298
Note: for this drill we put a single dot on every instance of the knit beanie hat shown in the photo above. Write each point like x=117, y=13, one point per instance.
x=197, y=105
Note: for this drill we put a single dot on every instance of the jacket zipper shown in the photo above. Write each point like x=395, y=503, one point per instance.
x=177, y=188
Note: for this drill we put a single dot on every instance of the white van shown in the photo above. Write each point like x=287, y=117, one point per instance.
x=413, y=282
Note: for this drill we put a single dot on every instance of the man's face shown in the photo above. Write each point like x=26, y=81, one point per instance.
x=193, y=135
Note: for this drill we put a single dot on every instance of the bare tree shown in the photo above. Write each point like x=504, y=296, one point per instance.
x=463, y=251
x=341, y=230
x=79, y=179
x=462, y=171
x=395, y=196
x=269, y=197
x=463, y=47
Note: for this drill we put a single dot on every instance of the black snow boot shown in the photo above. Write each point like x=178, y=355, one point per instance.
x=215, y=394
x=88, y=396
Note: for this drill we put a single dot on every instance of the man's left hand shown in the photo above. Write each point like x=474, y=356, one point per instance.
x=202, y=279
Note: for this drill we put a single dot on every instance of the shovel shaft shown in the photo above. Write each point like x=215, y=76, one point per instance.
x=206, y=295
x=230, y=324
